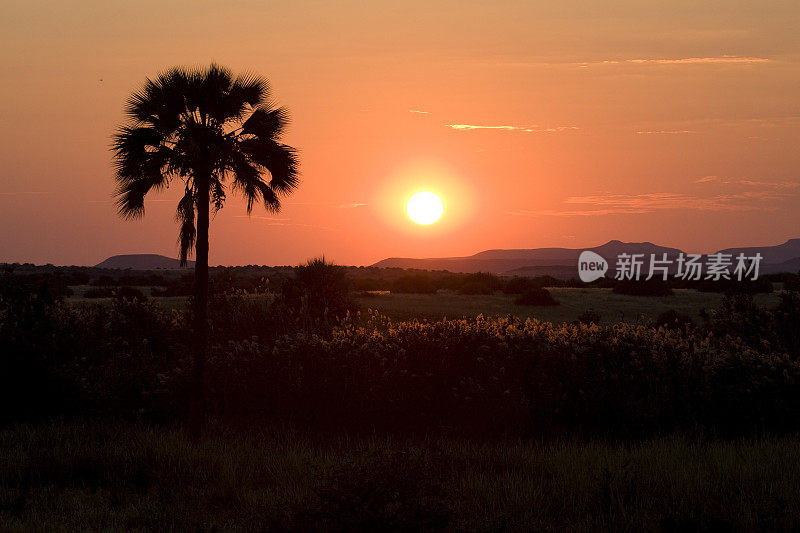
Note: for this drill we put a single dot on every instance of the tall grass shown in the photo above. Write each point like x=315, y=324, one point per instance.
x=67, y=476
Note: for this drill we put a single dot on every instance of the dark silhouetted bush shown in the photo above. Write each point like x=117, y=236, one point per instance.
x=321, y=292
x=517, y=285
x=479, y=283
x=415, y=283
x=115, y=292
x=538, y=296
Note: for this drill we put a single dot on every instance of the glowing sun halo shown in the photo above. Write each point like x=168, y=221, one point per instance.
x=425, y=207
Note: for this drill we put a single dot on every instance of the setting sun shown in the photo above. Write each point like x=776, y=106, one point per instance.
x=425, y=207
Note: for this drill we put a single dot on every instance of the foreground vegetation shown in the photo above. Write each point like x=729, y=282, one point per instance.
x=479, y=423
x=307, y=357
x=93, y=476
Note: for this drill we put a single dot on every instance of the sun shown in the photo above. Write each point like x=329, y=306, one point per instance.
x=425, y=208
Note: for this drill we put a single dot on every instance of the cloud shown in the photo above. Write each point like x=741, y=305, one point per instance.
x=663, y=132
x=627, y=204
x=703, y=60
x=350, y=205
x=525, y=129
x=270, y=221
x=751, y=182
x=419, y=112
x=699, y=60
x=707, y=179
x=258, y=217
x=555, y=213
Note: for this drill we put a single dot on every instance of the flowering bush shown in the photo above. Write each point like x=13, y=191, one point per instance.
x=737, y=373
x=506, y=375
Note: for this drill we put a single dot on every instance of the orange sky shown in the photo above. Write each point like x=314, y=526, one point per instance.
x=538, y=123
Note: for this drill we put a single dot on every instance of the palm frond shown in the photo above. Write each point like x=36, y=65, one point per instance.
x=266, y=123
x=246, y=177
x=217, y=193
x=160, y=102
x=279, y=159
x=142, y=164
x=188, y=232
x=247, y=92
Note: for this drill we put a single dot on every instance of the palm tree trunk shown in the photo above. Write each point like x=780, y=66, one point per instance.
x=197, y=399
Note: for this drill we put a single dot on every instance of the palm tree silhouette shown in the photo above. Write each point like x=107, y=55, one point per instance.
x=215, y=132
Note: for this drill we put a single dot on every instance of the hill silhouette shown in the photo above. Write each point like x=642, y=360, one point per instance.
x=536, y=261
x=142, y=262
x=561, y=262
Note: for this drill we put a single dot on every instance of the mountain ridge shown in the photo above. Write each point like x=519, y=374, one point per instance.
x=142, y=262
x=561, y=260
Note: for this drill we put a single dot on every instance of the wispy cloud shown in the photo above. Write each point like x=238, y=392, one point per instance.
x=258, y=217
x=147, y=201
x=272, y=221
x=621, y=204
x=751, y=182
x=525, y=129
x=350, y=205
x=707, y=179
x=697, y=60
x=417, y=111
x=664, y=132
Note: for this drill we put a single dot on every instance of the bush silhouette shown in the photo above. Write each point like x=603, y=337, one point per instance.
x=480, y=283
x=320, y=291
x=415, y=283
x=538, y=296
x=517, y=285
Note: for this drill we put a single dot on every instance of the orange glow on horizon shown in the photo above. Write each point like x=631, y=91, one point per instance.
x=538, y=124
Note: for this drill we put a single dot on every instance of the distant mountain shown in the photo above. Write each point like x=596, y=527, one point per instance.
x=142, y=262
x=562, y=262
x=791, y=266
x=771, y=254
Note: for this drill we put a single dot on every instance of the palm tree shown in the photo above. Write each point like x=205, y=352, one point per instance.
x=214, y=132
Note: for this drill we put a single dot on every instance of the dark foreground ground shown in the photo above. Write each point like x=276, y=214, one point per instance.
x=79, y=476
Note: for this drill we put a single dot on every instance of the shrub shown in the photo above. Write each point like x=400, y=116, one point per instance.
x=125, y=292
x=480, y=283
x=414, y=283
x=517, y=285
x=321, y=291
x=538, y=296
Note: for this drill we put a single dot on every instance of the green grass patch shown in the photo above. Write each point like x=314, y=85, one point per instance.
x=612, y=307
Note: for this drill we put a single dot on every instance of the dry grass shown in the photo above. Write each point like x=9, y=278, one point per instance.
x=67, y=476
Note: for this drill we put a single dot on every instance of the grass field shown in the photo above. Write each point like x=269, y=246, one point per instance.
x=68, y=476
x=572, y=302
x=611, y=307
